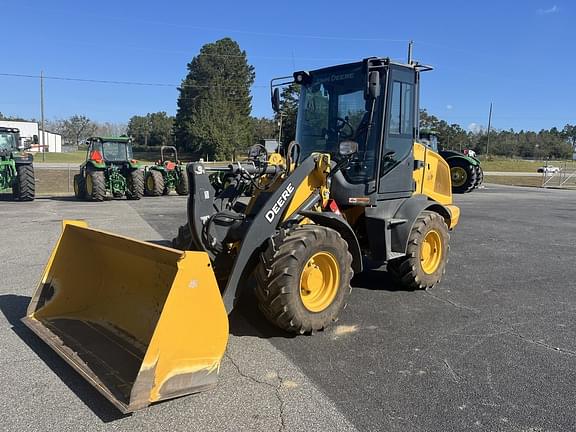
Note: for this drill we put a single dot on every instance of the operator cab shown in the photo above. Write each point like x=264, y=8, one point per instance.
x=373, y=103
x=105, y=149
x=9, y=139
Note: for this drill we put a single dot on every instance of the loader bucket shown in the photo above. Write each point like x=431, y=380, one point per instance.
x=142, y=323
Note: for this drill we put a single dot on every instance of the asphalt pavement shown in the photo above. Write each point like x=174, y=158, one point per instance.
x=491, y=348
x=260, y=388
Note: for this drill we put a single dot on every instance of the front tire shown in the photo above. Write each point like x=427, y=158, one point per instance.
x=79, y=187
x=135, y=185
x=182, y=187
x=303, y=279
x=95, y=185
x=426, y=253
x=24, y=187
x=154, y=185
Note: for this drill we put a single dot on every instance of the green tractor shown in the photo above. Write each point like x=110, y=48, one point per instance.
x=465, y=170
x=16, y=169
x=166, y=175
x=110, y=168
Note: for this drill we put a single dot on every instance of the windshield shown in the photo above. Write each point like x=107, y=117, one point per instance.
x=332, y=109
x=7, y=140
x=116, y=151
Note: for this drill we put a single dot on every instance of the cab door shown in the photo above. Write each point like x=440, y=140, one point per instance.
x=396, y=163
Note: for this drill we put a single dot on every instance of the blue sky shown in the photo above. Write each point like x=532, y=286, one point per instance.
x=517, y=54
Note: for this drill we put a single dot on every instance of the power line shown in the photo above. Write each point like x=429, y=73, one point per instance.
x=204, y=54
x=132, y=83
x=224, y=30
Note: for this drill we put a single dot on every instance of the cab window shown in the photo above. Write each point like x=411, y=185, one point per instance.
x=401, y=110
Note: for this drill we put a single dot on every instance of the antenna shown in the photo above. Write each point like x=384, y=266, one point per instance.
x=410, y=45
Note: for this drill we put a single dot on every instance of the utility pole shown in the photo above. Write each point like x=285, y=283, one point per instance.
x=410, y=46
x=489, y=124
x=43, y=140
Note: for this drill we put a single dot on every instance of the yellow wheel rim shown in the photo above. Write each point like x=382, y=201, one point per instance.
x=459, y=176
x=431, y=252
x=319, y=281
x=89, y=185
x=150, y=183
x=76, y=187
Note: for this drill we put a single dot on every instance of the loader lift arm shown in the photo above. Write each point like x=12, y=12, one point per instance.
x=288, y=203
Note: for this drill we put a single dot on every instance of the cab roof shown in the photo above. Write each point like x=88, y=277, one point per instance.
x=122, y=139
x=7, y=129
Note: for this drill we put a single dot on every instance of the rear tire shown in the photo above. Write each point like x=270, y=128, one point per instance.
x=79, y=187
x=24, y=186
x=426, y=253
x=479, y=176
x=303, y=278
x=135, y=184
x=154, y=185
x=182, y=187
x=463, y=175
x=95, y=185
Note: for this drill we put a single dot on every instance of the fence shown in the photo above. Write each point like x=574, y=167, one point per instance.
x=565, y=177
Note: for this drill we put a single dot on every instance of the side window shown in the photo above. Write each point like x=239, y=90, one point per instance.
x=407, y=114
x=402, y=109
x=395, y=108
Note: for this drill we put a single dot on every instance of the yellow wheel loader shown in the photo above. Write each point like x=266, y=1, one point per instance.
x=144, y=323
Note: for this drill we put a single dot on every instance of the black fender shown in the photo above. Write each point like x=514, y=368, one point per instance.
x=408, y=212
x=19, y=161
x=338, y=223
x=450, y=155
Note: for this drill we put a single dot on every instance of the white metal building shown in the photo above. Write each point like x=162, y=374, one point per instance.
x=31, y=134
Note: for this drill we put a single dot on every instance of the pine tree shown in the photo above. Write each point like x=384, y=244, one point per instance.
x=214, y=104
x=289, y=98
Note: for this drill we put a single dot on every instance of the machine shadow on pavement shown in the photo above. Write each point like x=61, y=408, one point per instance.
x=14, y=307
x=377, y=280
x=65, y=198
x=5, y=197
x=165, y=243
x=247, y=320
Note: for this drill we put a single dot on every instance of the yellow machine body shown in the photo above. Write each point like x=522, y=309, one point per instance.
x=140, y=322
x=432, y=179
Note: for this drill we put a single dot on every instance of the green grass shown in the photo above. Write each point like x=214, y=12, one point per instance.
x=69, y=157
x=514, y=180
x=77, y=157
x=515, y=165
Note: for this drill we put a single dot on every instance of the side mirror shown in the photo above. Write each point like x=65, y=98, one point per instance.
x=276, y=100
x=374, y=84
x=348, y=147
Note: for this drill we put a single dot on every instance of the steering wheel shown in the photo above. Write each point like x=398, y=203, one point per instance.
x=341, y=123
